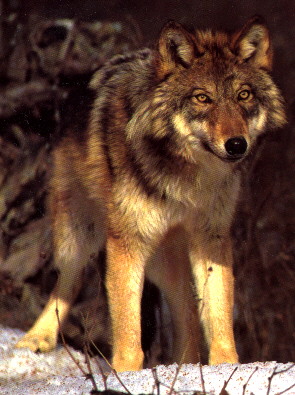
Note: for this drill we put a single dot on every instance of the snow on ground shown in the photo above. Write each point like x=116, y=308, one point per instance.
x=24, y=372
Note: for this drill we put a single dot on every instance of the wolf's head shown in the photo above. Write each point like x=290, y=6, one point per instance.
x=215, y=91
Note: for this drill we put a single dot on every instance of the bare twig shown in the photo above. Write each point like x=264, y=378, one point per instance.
x=102, y=373
x=171, y=386
x=270, y=380
x=174, y=379
x=66, y=346
x=287, y=389
x=90, y=374
x=157, y=382
x=223, y=391
x=202, y=377
x=285, y=370
x=113, y=370
x=87, y=350
x=274, y=373
x=247, y=382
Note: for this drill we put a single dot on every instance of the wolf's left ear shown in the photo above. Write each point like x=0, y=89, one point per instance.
x=252, y=44
x=176, y=47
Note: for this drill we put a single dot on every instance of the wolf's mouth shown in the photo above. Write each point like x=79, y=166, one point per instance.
x=225, y=157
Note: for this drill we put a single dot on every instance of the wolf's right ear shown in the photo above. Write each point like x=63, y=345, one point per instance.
x=176, y=47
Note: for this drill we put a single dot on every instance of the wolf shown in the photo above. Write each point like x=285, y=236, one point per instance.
x=154, y=179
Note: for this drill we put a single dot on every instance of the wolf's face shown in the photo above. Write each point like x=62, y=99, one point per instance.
x=217, y=90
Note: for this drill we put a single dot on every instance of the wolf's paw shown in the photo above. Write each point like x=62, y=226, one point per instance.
x=223, y=353
x=123, y=362
x=38, y=342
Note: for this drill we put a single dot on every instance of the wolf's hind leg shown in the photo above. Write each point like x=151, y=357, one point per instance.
x=74, y=241
x=43, y=335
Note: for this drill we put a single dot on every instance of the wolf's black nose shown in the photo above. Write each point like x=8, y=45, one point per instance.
x=236, y=146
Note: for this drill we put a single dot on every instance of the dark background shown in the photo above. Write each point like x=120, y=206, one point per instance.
x=40, y=66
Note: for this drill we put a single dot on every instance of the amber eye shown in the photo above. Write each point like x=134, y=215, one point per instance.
x=202, y=98
x=245, y=95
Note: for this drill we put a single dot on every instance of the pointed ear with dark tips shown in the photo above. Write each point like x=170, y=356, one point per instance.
x=252, y=44
x=176, y=47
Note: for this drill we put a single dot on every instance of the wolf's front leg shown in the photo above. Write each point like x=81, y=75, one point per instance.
x=212, y=270
x=124, y=282
x=169, y=269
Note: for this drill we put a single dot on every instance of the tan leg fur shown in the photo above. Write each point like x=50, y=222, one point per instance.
x=212, y=270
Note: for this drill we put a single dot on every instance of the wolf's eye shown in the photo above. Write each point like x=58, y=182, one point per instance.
x=202, y=98
x=245, y=95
